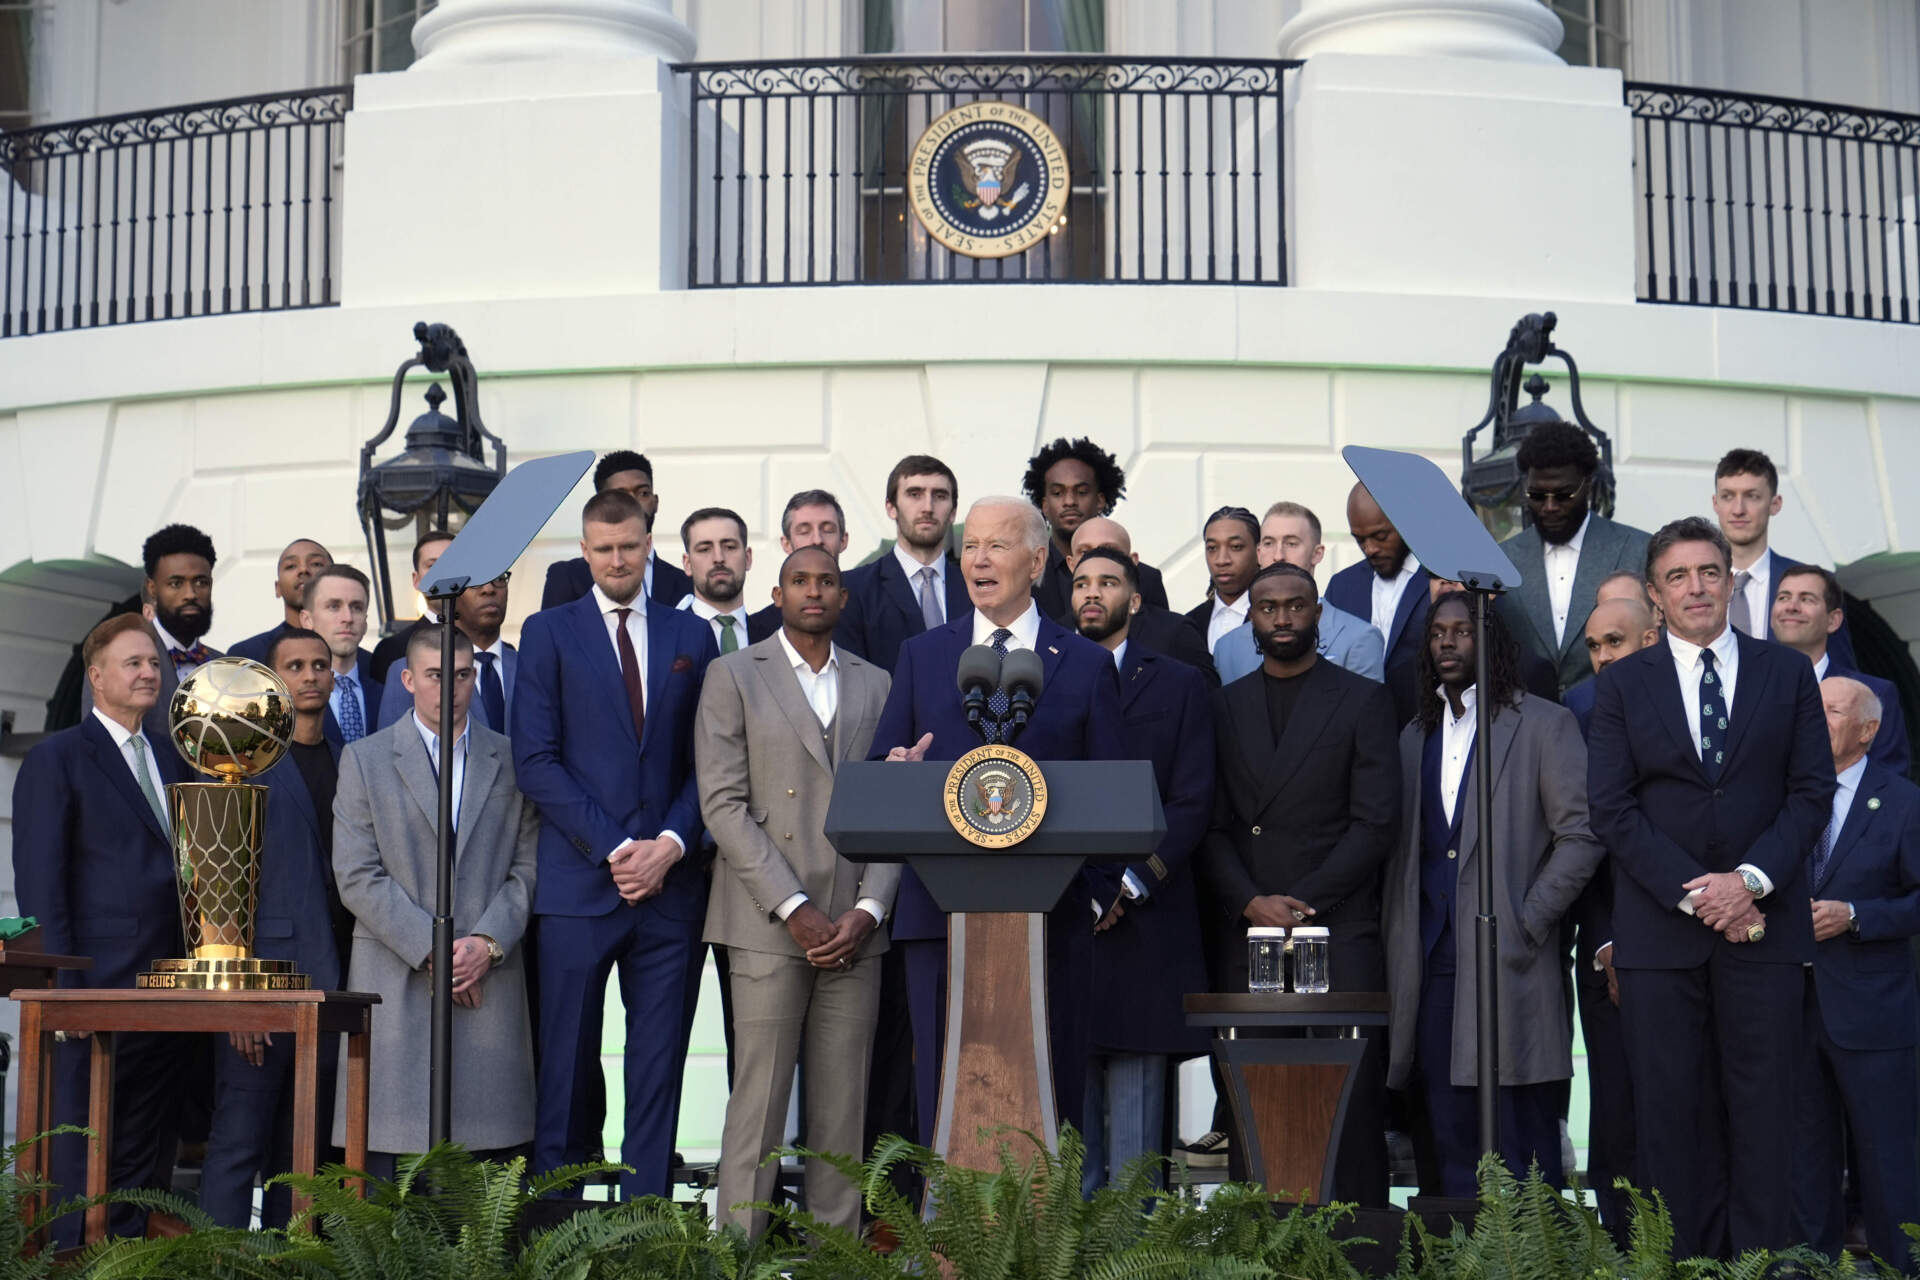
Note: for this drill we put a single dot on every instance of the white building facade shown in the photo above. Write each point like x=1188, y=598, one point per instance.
x=716, y=266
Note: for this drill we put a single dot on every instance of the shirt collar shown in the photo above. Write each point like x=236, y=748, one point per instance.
x=1238, y=608
x=1025, y=628
x=1848, y=779
x=603, y=602
x=707, y=613
x=1822, y=665
x=912, y=567
x=1578, y=539
x=117, y=731
x=167, y=639
x=498, y=649
x=1467, y=703
x=432, y=740
x=801, y=664
x=1725, y=648
x=1120, y=656
x=1408, y=567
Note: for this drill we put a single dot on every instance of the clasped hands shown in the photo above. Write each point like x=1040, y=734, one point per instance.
x=640, y=867
x=829, y=944
x=1722, y=903
x=1277, y=911
x=472, y=961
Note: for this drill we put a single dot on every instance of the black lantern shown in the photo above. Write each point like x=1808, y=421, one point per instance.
x=1494, y=484
x=442, y=475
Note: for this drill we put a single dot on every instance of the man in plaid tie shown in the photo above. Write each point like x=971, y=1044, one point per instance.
x=335, y=606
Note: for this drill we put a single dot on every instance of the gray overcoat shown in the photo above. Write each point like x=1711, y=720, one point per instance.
x=1544, y=854
x=383, y=860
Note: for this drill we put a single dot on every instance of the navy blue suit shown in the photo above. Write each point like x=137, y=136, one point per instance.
x=1076, y=718
x=1890, y=746
x=883, y=608
x=568, y=580
x=253, y=1106
x=93, y=865
x=1352, y=589
x=1717, y=1024
x=1863, y=1026
x=257, y=647
x=576, y=757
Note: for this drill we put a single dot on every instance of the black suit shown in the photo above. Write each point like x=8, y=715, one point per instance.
x=1315, y=818
x=390, y=650
x=568, y=580
x=1054, y=590
x=1165, y=631
x=1712, y=1028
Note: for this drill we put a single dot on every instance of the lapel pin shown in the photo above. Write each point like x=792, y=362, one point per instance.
x=1052, y=650
x=1873, y=802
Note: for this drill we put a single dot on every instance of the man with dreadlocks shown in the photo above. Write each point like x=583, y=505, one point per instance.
x=1072, y=481
x=1543, y=853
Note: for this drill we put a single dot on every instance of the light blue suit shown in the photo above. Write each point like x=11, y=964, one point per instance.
x=1345, y=641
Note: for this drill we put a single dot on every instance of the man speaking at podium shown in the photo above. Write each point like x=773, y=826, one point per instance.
x=1076, y=717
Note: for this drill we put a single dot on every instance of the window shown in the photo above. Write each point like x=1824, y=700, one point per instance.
x=1596, y=32
x=16, y=61
x=379, y=34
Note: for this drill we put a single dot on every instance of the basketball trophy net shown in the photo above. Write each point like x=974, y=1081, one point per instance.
x=232, y=719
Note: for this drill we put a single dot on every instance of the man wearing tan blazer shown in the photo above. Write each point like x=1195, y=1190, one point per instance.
x=801, y=924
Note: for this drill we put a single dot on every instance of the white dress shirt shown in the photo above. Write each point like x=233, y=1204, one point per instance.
x=1820, y=666
x=1563, y=563
x=1386, y=597
x=1025, y=629
x=122, y=738
x=912, y=568
x=1227, y=618
x=1726, y=667
x=701, y=609
x=821, y=689
x=460, y=745
x=636, y=632
x=1120, y=656
x=1456, y=744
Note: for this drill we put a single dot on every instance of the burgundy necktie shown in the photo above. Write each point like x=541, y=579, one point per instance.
x=630, y=675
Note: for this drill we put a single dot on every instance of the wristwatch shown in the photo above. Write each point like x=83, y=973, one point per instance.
x=1752, y=880
x=494, y=953
x=1853, y=921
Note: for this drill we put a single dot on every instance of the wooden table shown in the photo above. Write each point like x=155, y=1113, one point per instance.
x=100, y=1012
x=27, y=966
x=1289, y=1095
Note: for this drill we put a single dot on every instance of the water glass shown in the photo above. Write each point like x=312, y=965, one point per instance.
x=1310, y=971
x=1266, y=959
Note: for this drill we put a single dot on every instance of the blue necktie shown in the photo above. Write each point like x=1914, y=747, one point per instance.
x=353, y=724
x=1824, y=851
x=997, y=703
x=493, y=695
x=1713, y=718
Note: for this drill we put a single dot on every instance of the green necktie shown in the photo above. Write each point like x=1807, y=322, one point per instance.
x=139, y=745
x=728, y=641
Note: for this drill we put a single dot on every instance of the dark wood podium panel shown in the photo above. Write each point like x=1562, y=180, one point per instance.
x=998, y=1069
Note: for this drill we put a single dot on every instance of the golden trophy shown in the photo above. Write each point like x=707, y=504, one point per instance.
x=232, y=719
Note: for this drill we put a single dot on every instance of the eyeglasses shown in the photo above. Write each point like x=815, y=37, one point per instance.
x=500, y=581
x=1541, y=497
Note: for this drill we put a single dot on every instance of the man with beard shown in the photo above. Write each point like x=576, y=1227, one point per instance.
x=811, y=518
x=1565, y=553
x=1232, y=539
x=619, y=471
x=478, y=614
x=1291, y=532
x=1071, y=481
x=1146, y=952
x=1746, y=498
x=717, y=560
x=1389, y=589
x=1305, y=815
x=1161, y=630
x=302, y=559
x=918, y=586
x=179, y=562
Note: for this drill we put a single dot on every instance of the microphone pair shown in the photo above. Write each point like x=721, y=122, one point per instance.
x=981, y=671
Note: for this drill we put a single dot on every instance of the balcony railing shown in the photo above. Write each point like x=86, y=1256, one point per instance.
x=207, y=209
x=1776, y=204
x=798, y=171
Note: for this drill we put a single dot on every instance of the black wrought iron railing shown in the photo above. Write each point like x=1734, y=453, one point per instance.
x=198, y=210
x=798, y=172
x=1776, y=204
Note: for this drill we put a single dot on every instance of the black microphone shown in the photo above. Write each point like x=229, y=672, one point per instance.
x=1021, y=675
x=978, y=675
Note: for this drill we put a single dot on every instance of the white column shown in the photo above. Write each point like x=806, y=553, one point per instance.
x=536, y=149
x=1506, y=30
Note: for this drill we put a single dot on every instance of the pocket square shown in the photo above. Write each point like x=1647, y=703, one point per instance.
x=682, y=662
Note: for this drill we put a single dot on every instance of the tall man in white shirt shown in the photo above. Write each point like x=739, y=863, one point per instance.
x=1232, y=538
x=1746, y=498
x=800, y=923
x=1565, y=553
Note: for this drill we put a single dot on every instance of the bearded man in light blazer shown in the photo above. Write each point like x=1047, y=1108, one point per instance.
x=801, y=924
x=385, y=859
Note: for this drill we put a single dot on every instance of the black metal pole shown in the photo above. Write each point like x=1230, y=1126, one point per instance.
x=1486, y=952
x=440, y=1068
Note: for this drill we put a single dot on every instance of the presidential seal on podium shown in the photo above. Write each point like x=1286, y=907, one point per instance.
x=232, y=719
x=995, y=796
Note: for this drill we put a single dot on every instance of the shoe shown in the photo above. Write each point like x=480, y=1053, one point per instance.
x=1208, y=1151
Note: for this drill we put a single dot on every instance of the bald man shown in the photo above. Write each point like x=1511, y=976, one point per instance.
x=1291, y=532
x=1158, y=628
x=1388, y=588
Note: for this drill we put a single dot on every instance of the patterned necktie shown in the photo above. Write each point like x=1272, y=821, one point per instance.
x=1713, y=718
x=930, y=615
x=353, y=724
x=1738, y=616
x=139, y=745
x=493, y=694
x=1824, y=850
x=728, y=640
x=997, y=702
x=630, y=675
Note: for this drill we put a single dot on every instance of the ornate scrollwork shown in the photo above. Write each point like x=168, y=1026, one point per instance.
x=984, y=75
x=1773, y=115
x=194, y=120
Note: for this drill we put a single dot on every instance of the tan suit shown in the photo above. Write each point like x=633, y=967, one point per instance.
x=765, y=765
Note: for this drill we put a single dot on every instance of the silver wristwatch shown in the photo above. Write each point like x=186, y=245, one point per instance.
x=1751, y=879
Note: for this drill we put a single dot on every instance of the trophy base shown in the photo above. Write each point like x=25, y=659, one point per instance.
x=246, y=973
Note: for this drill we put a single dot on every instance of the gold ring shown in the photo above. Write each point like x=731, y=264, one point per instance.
x=1755, y=932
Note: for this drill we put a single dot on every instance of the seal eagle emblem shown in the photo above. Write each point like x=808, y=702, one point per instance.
x=995, y=796
x=988, y=179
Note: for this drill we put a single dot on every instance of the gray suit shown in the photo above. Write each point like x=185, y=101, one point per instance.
x=1529, y=607
x=766, y=773
x=384, y=855
x=1544, y=856
x=1345, y=641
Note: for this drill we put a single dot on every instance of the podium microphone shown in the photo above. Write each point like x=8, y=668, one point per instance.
x=978, y=675
x=1022, y=676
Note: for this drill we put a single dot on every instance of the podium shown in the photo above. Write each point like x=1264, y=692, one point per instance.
x=997, y=1069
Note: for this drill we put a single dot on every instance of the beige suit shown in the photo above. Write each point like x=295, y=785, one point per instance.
x=765, y=765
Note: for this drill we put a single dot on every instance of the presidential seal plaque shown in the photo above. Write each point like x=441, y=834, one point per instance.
x=996, y=796
x=988, y=180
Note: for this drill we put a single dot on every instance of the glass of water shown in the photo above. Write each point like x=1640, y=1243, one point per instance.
x=1310, y=972
x=1266, y=959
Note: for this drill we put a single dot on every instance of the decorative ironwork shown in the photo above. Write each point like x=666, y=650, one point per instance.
x=1776, y=204
x=203, y=209
x=797, y=170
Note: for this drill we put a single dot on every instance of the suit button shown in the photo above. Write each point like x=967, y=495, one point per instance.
x=1256, y=831
x=1718, y=794
x=1452, y=853
x=789, y=835
x=789, y=790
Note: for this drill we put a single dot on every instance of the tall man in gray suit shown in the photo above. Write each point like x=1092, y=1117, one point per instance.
x=385, y=855
x=1565, y=553
x=800, y=923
